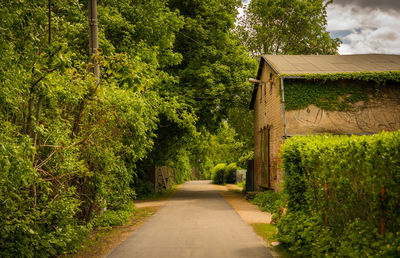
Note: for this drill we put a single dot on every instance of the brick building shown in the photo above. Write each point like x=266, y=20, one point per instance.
x=276, y=118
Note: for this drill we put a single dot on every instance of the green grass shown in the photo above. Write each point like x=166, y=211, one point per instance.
x=161, y=195
x=266, y=231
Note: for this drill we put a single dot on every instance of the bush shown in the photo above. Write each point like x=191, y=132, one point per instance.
x=272, y=202
x=37, y=217
x=230, y=173
x=341, y=192
x=217, y=173
x=298, y=232
x=268, y=201
x=144, y=189
x=115, y=217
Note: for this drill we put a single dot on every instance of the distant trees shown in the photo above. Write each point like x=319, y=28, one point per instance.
x=287, y=27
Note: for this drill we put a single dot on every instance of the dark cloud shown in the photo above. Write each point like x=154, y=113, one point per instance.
x=380, y=4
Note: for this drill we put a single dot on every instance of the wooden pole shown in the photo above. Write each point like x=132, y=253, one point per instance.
x=93, y=39
x=326, y=203
x=383, y=219
x=49, y=6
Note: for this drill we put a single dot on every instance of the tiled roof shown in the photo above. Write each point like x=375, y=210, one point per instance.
x=302, y=64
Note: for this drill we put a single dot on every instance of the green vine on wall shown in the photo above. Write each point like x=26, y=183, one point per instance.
x=334, y=92
x=330, y=96
x=380, y=78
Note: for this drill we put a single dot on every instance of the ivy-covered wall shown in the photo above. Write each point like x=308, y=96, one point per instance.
x=354, y=103
x=330, y=95
x=336, y=92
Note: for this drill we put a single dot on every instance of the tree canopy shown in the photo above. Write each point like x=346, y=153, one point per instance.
x=215, y=66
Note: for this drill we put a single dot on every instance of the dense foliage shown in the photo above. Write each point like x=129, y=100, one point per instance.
x=215, y=65
x=69, y=148
x=342, y=195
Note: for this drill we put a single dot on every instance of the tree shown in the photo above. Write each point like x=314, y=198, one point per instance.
x=287, y=27
x=215, y=66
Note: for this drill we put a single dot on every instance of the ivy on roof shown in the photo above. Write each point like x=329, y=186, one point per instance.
x=380, y=78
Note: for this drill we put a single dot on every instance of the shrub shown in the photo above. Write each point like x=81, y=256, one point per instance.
x=268, y=201
x=144, y=189
x=115, y=217
x=36, y=216
x=217, y=173
x=298, y=231
x=343, y=195
x=230, y=173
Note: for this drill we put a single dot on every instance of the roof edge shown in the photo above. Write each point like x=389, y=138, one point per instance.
x=254, y=94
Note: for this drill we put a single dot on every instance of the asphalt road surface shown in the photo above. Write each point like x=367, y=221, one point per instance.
x=195, y=222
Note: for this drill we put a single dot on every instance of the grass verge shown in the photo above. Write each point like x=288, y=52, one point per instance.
x=268, y=233
x=161, y=195
x=103, y=240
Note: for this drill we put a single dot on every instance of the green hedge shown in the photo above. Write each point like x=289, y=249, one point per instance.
x=223, y=173
x=341, y=191
x=268, y=201
x=230, y=173
x=217, y=173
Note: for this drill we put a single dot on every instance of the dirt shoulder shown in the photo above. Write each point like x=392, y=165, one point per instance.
x=250, y=213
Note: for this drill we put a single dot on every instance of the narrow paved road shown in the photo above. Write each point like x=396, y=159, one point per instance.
x=196, y=222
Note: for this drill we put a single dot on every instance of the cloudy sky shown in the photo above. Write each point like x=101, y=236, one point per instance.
x=366, y=26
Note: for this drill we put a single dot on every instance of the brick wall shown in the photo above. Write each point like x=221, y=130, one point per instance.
x=268, y=117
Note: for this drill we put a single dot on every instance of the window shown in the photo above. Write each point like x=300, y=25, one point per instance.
x=265, y=156
x=271, y=83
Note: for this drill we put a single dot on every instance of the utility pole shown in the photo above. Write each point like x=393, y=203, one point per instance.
x=93, y=39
